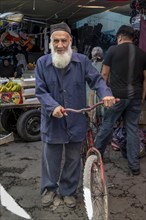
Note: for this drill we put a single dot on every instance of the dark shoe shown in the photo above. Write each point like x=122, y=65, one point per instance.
x=70, y=201
x=135, y=172
x=47, y=198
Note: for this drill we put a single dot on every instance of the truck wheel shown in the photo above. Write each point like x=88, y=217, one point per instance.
x=9, y=119
x=28, y=125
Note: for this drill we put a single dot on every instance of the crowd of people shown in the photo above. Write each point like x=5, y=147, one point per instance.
x=62, y=77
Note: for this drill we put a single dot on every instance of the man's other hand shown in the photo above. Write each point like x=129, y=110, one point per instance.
x=59, y=112
x=108, y=101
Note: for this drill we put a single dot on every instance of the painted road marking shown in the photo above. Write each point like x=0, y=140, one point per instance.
x=9, y=203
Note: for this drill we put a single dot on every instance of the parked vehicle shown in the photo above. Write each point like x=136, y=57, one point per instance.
x=23, y=118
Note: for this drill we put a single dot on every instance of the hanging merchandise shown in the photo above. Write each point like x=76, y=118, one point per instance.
x=88, y=37
x=15, y=17
x=8, y=38
x=142, y=34
x=3, y=25
x=138, y=22
x=135, y=22
x=46, y=41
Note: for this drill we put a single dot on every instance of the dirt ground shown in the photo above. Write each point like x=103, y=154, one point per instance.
x=20, y=176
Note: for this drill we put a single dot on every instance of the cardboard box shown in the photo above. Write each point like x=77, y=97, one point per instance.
x=11, y=98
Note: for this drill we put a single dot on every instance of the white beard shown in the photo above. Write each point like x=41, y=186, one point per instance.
x=61, y=60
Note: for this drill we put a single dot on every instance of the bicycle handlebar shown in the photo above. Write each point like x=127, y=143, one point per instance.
x=88, y=109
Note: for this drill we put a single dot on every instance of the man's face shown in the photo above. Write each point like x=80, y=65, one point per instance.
x=60, y=41
x=61, y=48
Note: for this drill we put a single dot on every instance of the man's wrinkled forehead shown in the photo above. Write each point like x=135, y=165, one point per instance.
x=60, y=36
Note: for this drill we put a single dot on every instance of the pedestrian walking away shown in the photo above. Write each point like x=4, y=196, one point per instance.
x=97, y=59
x=61, y=78
x=124, y=67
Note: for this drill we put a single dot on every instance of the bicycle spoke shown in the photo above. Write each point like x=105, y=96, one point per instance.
x=97, y=193
x=96, y=184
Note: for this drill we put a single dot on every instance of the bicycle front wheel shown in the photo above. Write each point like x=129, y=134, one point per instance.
x=95, y=190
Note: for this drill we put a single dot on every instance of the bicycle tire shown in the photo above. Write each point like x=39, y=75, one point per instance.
x=95, y=190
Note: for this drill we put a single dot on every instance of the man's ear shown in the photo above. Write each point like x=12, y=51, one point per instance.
x=119, y=39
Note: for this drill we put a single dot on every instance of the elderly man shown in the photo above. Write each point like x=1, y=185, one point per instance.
x=61, y=83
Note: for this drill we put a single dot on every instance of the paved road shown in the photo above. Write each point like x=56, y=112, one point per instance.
x=20, y=176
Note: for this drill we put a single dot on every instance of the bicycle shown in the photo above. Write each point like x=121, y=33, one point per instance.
x=94, y=184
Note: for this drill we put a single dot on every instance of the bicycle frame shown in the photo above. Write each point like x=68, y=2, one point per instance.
x=93, y=150
x=94, y=184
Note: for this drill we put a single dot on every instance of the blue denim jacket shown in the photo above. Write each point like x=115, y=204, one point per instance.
x=69, y=90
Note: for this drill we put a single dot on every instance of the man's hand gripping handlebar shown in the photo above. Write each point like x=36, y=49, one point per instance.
x=60, y=111
x=88, y=109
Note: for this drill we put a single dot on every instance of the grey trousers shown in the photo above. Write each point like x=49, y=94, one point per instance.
x=58, y=173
